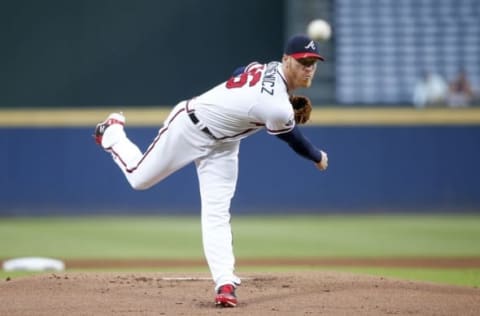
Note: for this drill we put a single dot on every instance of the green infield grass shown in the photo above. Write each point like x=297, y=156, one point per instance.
x=161, y=237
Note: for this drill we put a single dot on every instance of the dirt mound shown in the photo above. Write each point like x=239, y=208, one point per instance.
x=302, y=293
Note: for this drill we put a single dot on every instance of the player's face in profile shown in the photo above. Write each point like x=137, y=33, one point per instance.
x=303, y=71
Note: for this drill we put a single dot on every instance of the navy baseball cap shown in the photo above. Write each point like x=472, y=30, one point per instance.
x=301, y=46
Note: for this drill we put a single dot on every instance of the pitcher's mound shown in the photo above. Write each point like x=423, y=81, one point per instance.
x=302, y=293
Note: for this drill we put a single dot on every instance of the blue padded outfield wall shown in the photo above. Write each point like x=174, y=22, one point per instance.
x=373, y=168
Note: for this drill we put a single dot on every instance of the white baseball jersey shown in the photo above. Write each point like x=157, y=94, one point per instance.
x=241, y=106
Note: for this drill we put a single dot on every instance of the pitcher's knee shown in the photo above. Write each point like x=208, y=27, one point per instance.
x=216, y=216
x=140, y=185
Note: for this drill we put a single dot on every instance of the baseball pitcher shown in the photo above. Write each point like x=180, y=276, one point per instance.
x=207, y=131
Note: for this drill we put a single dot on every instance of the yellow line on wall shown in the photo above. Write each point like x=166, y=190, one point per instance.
x=323, y=116
x=136, y=116
x=396, y=116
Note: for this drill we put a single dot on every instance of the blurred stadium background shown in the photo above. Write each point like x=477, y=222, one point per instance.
x=66, y=65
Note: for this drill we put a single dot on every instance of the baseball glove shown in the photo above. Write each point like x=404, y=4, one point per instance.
x=302, y=107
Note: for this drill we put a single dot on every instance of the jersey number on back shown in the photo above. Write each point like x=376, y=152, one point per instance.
x=252, y=77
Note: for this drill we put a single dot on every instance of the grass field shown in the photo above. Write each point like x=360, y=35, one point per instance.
x=365, y=236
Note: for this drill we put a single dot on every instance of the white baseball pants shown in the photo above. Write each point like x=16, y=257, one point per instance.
x=180, y=142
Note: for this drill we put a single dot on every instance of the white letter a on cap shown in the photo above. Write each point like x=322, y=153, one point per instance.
x=310, y=45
